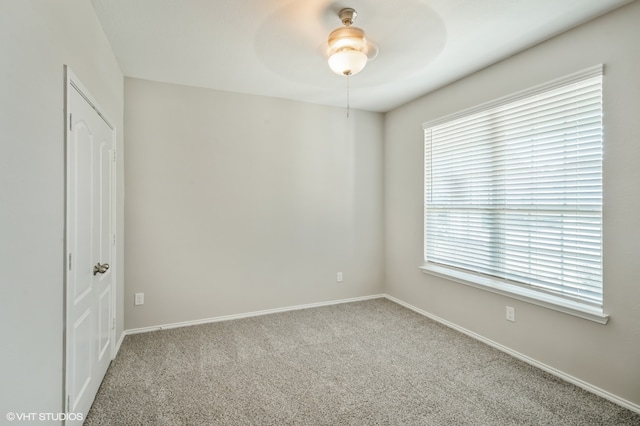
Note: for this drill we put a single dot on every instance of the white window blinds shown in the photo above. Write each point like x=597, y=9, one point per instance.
x=513, y=189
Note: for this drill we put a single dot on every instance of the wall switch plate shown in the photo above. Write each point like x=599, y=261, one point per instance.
x=139, y=299
x=511, y=314
x=339, y=277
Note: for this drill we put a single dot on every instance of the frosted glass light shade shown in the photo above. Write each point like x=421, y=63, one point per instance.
x=347, y=62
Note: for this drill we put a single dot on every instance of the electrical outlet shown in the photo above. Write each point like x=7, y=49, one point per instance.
x=340, y=277
x=511, y=314
x=139, y=299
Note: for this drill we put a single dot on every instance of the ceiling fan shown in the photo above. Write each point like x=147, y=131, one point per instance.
x=348, y=48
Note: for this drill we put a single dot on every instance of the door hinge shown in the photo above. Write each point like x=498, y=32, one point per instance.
x=68, y=403
x=70, y=121
x=113, y=324
x=114, y=156
x=69, y=261
x=114, y=239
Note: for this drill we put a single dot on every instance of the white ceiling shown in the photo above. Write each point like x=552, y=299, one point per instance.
x=278, y=47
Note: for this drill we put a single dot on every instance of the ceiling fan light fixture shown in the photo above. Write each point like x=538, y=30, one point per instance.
x=347, y=46
x=347, y=62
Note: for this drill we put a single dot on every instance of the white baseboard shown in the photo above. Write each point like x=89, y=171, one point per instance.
x=560, y=374
x=246, y=315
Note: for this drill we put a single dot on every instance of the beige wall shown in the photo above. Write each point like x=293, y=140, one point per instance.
x=239, y=203
x=38, y=38
x=607, y=356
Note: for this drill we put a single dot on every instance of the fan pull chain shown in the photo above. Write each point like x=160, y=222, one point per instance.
x=348, y=75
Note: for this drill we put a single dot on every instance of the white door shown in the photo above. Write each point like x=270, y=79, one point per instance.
x=90, y=248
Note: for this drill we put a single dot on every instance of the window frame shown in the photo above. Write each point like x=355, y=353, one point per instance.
x=582, y=309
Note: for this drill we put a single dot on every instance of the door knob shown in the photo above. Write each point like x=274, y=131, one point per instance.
x=100, y=268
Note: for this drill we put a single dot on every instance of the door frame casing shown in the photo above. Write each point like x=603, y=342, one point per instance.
x=72, y=80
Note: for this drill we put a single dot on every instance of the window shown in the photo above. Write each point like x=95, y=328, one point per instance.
x=513, y=195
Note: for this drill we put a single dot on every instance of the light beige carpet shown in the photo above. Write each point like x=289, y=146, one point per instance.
x=364, y=363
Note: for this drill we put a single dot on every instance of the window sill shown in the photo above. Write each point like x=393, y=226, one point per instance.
x=577, y=309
